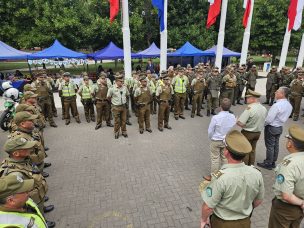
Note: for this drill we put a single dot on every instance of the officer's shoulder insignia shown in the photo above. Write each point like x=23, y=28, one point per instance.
x=203, y=185
x=280, y=178
x=255, y=168
x=286, y=162
x=209, y=191
x=217, y=174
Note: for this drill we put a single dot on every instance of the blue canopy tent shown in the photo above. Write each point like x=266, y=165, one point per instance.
x=187, y=54
x=57, y=50
x=151, y=52
x=9, y=53
x=110, y=52
x=226, y=52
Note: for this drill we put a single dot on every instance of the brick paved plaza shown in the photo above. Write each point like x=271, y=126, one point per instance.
x=148, y=180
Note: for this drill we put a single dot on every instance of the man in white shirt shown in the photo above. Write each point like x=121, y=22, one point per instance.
x=219, y=126
x=277, y=116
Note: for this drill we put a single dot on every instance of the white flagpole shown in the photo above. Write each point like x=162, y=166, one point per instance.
x=164, y=40
x=221, y=36
x=126, y=39
x=246, y=37
x=285, y=47
x=301, y=53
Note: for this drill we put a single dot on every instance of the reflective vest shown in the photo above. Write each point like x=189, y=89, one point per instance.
x=23, y=219
x=179, y=86
x=86, y=92
x=68, y=90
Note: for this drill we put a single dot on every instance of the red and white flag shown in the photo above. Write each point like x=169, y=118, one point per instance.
x=295, y=12
x=114, y=9
x=247, y=7
x=214, y=11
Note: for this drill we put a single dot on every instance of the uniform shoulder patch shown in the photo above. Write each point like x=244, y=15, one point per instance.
x=286, y=162
x=209, y=191
x=217, y=174
x=280, y=178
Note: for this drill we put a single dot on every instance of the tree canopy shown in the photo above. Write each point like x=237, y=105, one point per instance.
x=84, y=24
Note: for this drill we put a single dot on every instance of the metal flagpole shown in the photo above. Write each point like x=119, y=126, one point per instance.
x=126, y=39
x=246, y=37
x=301, y=53
x=164, y=40
x=221, y=36
x=285, y=47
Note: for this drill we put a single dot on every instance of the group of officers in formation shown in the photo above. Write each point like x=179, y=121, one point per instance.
x=23, y=186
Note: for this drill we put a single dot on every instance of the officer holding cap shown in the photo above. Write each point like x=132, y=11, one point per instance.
x=235, y=190
x=288, y=204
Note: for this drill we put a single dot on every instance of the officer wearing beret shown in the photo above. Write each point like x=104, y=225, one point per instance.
x=235, y=190
x=16, y=208
x=288, y=204
x=19, y=164
x=143, y=99
x=252, y=122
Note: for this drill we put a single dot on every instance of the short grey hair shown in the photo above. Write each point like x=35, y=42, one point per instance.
x=285, y=90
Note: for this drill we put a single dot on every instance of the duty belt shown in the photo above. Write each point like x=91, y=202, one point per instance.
x=98, y=99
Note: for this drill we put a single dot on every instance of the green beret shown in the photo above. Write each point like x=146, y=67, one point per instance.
x=12, y=184
x=24, y=107
x=296, y=133
x=251, y=93
x=24, y=116
x=18, y=143
x=29, y=94
x=237, y=143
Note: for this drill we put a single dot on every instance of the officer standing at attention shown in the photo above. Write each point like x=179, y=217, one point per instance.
x=252, y=121
x=18, y=164
x=163, y=94
x=197, y=85
x=296, y=90
x=86, y=93
x=240, y=85
x=16, y=208
x=213, y=84
x=103, y=106
x=235, y=190
x=288, y=204
x=143, y=99
x=229, y=83
x=271, y=85
x=180, y=83
x=67, y=90
x=118, y=94
x=251, y=78
x=43, y=89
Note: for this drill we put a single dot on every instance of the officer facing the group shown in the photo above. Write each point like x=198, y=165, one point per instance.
x=288, y=204
x=16, y=208
x=118, y=94
x=235, y=190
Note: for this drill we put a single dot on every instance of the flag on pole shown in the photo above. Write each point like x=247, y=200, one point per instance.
x=114, y=9
x=214, y=11
x=247, y=7
x=160, y=5
x=295, y=12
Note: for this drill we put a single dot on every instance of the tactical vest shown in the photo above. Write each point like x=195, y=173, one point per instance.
x=144, y=97
x=102, y=92
x=166, y=93
x=86, y=92
x=38, y=155
x=199, y=86
x=22, y=219
x=68, y=90
x=296, y=88
x=230, y=83
x=29, y=172
x=42, y=90
x=179, y=86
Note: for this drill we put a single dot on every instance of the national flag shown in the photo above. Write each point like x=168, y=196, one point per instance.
x=295, y=12
x=114, y=9
x=214, y=11
x=247, y=7
x=160, y=5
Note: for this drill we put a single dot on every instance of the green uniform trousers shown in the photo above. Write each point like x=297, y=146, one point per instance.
x=197, y=103
x=46, y=108
x=163, y=114
x=120, y=118
x=220, y=223
x=103, y=111
x=295, y=101
x=70, y=103
x=253, y=138
x=179, y=104
x=212, y=102
x=144, y=116
x=228, y=93
x=88, y=109
x=284, y=215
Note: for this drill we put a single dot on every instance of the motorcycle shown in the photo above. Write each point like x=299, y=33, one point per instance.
x=8, y=114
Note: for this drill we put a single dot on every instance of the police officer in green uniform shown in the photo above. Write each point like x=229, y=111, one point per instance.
x=16, y=208
x=285, y=77
x=240, y=85
x=197, y=86
x=19, y=164
x=251, y=78
x=252, y=122
x=213, y=84
x=271, y=85
x=235, y=190
x=229, y=84
x=296, y=93
x=86, y=93
x=288, y=204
